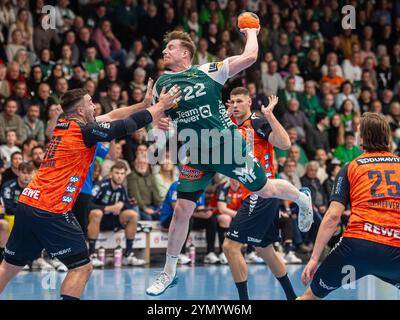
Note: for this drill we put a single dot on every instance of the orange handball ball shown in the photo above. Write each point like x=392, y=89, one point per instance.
x=248, y=20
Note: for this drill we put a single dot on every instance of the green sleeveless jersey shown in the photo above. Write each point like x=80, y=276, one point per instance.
x=201, y=104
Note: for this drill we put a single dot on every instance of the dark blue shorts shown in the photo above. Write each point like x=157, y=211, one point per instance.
x=110, y=222
x=256, y=222
x=35, y=230
x=364, y=257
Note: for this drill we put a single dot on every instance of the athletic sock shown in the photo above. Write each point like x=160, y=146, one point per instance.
x=287, y=287
x=302, y=200
x=211, y=232
x=242, y=290
x=129, y=245
x=66, y=297
x=170, y=265
x=1, y=254
x=221, y=236
x=92, y=246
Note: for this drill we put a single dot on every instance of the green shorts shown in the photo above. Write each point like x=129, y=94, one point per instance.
x=234, y=161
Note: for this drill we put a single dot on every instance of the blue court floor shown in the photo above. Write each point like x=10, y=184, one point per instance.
x=202, y=282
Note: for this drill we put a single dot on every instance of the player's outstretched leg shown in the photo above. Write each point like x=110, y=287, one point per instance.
x=3, y=236
x=176, y=238
x=278, y=268
x=237, y=263
x=282, y=189
x=75, y=282
x=7, y=272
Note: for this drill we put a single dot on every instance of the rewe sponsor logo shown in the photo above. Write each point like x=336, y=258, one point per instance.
x=31, y=193
x=382, y=231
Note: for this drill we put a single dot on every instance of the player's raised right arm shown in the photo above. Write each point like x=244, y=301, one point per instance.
x=250, y=53
x=339, y=199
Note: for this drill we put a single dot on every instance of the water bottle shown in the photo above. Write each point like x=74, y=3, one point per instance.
x=118, y=257
x=102, y=254
x=192, y=254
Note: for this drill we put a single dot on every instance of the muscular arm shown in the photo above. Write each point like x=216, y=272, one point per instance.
x=107, y=131
x=327, y=228
x=120, y=113
x=249, y=55
x=278, y=137
x=340, y=198
x=51, y=124
x=111, y=151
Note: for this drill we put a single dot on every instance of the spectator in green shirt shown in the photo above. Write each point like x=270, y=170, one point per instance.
x=347, y=114
x=61, y=88
x=347, y=151
x=208, y=11
x=287, y=94
x=310, y=102
x=33, y=127
x=94, y=67
x=328, y=104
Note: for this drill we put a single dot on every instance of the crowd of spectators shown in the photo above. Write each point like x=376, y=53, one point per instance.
x=326, y=77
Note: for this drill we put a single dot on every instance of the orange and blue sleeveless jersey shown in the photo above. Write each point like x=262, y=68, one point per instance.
x=371, y=185
x=57, y=183
x=256, y=130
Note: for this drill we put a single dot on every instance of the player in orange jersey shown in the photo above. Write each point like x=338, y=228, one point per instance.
x=256, y=222
x=43, y=219
x=371, y=242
